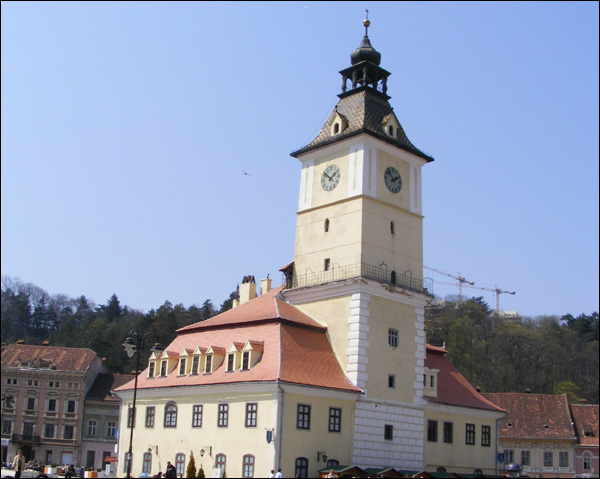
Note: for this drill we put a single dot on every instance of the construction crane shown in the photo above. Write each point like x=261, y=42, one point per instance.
x=459, y=278
x=498, y=292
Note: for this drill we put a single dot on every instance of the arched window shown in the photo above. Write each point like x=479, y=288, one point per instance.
x=326, y=225
x=301, y=467
x=336, y=128
x=391, y=130
x=248, y=466
x=220, y=461
x=180, y=463
x=392, y=228
x=171, y=415
x=441, y=470
x=393, y=277
x=147, y=466
x=332, y=463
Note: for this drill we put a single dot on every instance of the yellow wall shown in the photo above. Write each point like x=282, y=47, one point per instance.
x=458, y=456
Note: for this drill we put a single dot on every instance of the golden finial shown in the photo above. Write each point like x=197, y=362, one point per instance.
x=366, y=23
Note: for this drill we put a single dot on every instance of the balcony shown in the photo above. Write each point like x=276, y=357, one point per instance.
x=32, y=438
x=361, y=270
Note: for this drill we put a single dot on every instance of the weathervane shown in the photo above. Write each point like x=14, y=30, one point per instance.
x=366, y=23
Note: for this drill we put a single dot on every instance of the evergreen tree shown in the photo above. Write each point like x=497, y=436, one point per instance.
x=191, y=469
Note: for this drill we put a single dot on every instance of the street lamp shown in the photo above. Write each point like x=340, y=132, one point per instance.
x=134, y=344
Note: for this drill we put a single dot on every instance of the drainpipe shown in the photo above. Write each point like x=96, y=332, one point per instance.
x=496, y=455
x=281, y=406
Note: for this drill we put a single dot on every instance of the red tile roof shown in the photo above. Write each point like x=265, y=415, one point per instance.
x=539, y=416
x=452, y=387
x=295, y=348
x=586, y=423
x=60, y=359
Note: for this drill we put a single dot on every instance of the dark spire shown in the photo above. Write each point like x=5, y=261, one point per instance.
x=365, y=70
x=365, y=52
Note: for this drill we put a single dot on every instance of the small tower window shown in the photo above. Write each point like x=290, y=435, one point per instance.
x=392, y=229
x=327, y=264
x=336, y=128
x=326, y=225
x=393, y=277
x=391, y=130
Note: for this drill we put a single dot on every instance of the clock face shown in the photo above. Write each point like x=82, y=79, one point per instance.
x=392, y=178
x=330, y=178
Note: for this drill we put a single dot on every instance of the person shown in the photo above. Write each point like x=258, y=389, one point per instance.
x=331, y=473
x=278, y=473
x=18, y=464
x=171, y=471
x=272, y=474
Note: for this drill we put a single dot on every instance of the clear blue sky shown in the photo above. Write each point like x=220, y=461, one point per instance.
x=126, y=128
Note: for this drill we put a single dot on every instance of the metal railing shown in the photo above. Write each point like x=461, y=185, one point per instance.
x=361, y=270
x=32, y=438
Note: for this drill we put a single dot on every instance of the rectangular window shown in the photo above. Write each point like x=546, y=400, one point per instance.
x=51, y=405
x=251, y=413
x=163, y=368
x=432, y=381
x=563, y=459
x=509, y=456
x=130, y=417
x=150, y=415
x=303, y=416
x=246, y=361
x=230, y=362
x=151, y=369
x=208, y=364
x=393, y=337
x=335, y=419
x=147, y=465
x=111, y=428
x=432, y=431
x=6, y=426
x=391, y=381
x=30, y=404
x=197, y=415
x=92, y=424
x=525, y=458
x=182, y=366
x=448, y=432
x=70, y=406
x=470, y=434
x=223, y=420
x=486, y=436
x=195, y=363
x=587, y=463
x=90, y=459
x=49, y=430
x=326, y=264
x=69, y=432
x=388, y=432
x=548, y=459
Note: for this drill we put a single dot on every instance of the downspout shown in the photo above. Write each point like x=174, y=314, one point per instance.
x=281, y=406
x=496, y=448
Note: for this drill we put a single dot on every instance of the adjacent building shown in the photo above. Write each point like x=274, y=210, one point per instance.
x=48, y=386
x=586, y=417
x=538, y=433
x=101, y=420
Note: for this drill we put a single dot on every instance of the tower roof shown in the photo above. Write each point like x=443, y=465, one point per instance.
x=364, y=107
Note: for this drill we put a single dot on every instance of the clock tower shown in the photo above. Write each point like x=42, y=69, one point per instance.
x=358, y=262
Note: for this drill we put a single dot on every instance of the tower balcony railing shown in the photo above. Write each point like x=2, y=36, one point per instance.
x=361, y=270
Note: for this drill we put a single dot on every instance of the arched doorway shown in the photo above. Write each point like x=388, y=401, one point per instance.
x=27, y=452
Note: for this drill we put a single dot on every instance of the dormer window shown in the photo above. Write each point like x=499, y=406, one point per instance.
x=246, y=360
x=390, y=126
x=182, y=363
x=151, y=366
x=208, y=368
x=430, y=382
x=195, y=364
x=251, y=354
x=163, y=368
x=338, y=125
x=231, y=362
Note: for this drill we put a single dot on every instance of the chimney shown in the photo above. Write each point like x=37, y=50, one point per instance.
x=46, y=343
x=21, y=341
x=247, y=289
x=478, y=389
x=528, y=391
x=265, y=285
x=583, y=401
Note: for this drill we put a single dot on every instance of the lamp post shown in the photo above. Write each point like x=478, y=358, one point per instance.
x=134, y=344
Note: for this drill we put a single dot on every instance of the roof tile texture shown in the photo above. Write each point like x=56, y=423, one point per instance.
x=62, y=359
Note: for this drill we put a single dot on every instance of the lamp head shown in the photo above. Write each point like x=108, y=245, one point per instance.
x=130, y=347
x=157, y=348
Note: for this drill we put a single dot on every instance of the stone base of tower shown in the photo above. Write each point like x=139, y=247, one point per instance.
x=404, y=451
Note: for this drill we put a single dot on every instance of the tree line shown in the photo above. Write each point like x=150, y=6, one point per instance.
x=546, y=354
x=29, y=313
